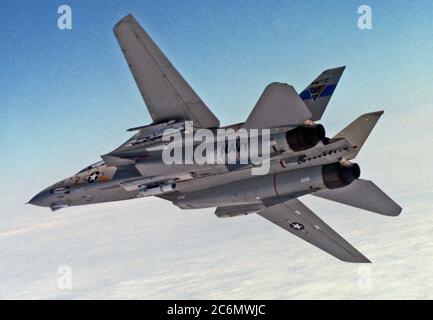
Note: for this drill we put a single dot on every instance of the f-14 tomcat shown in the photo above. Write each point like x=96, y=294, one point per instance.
x=302, y=161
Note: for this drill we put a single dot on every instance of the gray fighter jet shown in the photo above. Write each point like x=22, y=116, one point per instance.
x=302, y=161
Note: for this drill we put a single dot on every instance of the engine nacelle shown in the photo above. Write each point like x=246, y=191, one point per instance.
x=338, y=175
x=305, y=137
x=299, y=139
x=235, y=195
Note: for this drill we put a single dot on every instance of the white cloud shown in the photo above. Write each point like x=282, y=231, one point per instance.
x=147, y=248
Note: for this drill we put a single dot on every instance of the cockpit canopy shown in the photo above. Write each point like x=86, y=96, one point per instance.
x=92, y=166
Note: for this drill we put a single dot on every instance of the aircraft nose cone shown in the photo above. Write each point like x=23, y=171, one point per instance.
x=42, y=199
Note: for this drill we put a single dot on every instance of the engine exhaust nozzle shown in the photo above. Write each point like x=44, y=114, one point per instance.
x=305, y=137
x=338, y=175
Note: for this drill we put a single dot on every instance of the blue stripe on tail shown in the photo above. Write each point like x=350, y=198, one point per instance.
x=305, y=95
x=328, y=91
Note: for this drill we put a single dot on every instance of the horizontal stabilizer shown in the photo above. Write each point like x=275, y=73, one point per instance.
x=317, y=95
x=279, y=105
x=363, y=194
x=358, y=131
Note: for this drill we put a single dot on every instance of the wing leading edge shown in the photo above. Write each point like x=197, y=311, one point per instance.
x=298, y=219
x=166, y=94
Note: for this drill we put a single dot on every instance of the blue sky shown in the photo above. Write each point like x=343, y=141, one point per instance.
x=66, y=97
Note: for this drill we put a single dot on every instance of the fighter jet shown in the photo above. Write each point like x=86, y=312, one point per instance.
x=303, y=161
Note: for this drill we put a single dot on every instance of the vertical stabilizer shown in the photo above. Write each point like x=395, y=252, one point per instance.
x=317, y=95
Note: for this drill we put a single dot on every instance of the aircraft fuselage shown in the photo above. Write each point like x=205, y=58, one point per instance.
x=215, y=185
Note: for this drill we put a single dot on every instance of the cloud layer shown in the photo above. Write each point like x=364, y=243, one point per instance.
x=148, y=249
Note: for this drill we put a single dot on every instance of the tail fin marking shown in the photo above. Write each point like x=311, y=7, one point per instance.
x=317, y=95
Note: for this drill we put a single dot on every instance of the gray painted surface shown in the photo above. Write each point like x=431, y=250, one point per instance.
x=135, y=169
